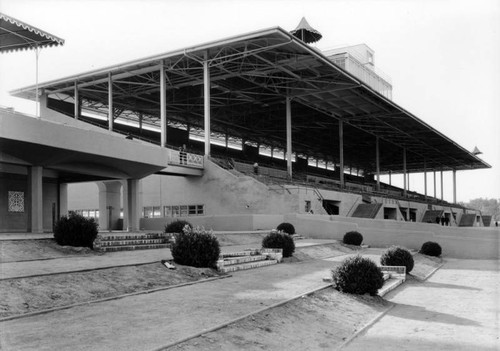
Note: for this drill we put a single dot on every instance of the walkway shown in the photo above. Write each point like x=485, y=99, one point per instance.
x=458, y=308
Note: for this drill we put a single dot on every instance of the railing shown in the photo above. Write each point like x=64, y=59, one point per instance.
x=367, y=75
x=176, y=157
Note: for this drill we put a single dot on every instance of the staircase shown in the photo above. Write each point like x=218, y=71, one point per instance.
x=367, y=210
x=111, y=242
x=248, y=259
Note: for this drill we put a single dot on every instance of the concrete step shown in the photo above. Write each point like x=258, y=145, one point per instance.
x=248, y=265
x=132, y=236
x=129, y=242
x=134, y=247
x=243, y=259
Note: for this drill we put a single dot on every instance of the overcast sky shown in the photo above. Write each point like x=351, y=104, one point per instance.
x=443, y=55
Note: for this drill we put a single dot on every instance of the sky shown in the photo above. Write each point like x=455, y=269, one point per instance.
x=443, y=56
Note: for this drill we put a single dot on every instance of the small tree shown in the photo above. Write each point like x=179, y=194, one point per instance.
x=75, y=230
x=398, y=256
x=286, y=227
x=358, y=275
x=278, y=240
x=177, y=226
x=353, y=238
x=195, y=247
x=430, y=248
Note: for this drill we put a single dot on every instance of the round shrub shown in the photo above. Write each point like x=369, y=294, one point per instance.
x=353, y=238
x=430, y=248
x=195, y=247
x=286, y=228
x=177, y=226
x=75, y=230
x=397, y=256
x=358, y=275
x=276, y=240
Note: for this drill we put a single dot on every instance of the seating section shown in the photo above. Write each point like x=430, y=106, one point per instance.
x=467, y=220
x=367, y=210
x=431, y=215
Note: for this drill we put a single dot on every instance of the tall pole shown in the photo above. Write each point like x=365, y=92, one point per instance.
x=454, y=186
x=404, y=172
x=110, y=102
x=77, y=102
x=341, y=152
x=206, y=99
x=442, y=197
x=435, y=193
x=289, y=137
x=37, y=111
x=163, y=106
x=377, y=159
x=425, y=180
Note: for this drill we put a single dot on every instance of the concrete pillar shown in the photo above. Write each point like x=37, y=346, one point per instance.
x=404, y=172
x=42, y=105
x=110, y=103
x=206, y=98
x=341, y=153
x=109, y=203
x=454, y=186
x=77, y=102
x=132, y=205
x=163, y=107
x=36, y=191
x=289, y=137
x=390, y=177
x=63, y=199
x=377, y=160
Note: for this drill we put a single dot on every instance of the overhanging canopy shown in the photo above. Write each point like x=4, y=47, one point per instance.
x=16, y=35
x=251, y=76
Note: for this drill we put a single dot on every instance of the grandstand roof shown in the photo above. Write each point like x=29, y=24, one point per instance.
x=16, y=35
x=251, y=75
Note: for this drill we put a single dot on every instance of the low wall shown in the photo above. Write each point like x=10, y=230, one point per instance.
x=471, y=243
x=219, y=223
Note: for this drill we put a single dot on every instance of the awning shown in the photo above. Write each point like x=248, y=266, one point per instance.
x=16, y=35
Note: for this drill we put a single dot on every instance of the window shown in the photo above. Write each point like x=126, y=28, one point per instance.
x=200, y=210
x=167, y=211
x=16, y=201
x=308, y=206
x=156, y=212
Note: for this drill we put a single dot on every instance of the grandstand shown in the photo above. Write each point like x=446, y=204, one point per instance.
x=320, y=134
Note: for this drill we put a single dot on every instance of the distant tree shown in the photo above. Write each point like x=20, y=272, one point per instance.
x=486, y=206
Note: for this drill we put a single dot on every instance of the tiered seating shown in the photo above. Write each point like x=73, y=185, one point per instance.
x=367, y=210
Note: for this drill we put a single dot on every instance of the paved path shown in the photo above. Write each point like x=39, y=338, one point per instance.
x=458, y=308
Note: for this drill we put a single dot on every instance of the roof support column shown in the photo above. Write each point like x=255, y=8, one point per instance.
x=454, y=186
x=163, y=106
x=289, y=137
x=435, y=193
x=341, y=152
x=425, y=181
x=442, y=184
x=77, y=102
x=377, y=159
x=390, y=177
x=110, y=102
x=35, y=178
x=206, y=97
x=404, y=172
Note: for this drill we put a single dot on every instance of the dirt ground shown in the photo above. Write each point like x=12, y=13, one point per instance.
x=25, y=295
x=28, y=250
x=323, y=320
